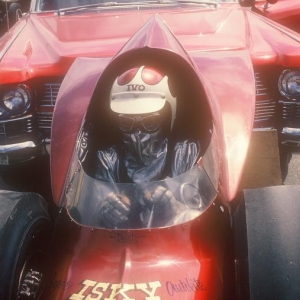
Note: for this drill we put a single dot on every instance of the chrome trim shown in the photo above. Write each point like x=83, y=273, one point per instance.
x=16, y=119
x=291, y=143
x=47, y=99
x=265, y=105
x=290, y=137
x=292, y=131
x=263, y=128
x=16, y=130
x=17, y=147
x=49, y=94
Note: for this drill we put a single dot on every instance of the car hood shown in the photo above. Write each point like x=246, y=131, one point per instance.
x=280, y=10
x=50, y=43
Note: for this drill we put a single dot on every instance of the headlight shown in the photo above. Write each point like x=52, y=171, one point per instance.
x=17, y=99
x=289, y=84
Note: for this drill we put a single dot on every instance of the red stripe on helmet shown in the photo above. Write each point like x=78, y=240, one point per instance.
x=126, y=77
x=151, y=76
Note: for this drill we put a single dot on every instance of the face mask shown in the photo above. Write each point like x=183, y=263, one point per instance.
x=143, y=147
x=145, y=143
x=145, y=155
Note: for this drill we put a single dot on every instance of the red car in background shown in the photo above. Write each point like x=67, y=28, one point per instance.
x=51, y=38
x=285, y=12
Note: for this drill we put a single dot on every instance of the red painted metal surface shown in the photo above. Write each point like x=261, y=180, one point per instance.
x=67, y=120
x=181, y=262
x=257, y=43
x=49, y=43
x=285, y=12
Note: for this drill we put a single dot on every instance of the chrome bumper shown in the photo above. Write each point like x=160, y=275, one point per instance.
x=17, y=153
x=290, y=137
x=19, y=141
x=16, y=147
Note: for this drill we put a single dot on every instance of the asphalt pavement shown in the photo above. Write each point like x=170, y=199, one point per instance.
x=293, y=176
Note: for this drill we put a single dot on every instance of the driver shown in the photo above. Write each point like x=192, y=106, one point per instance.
x=143, y=110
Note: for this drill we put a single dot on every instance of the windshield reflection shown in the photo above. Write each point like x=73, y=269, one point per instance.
x=163, y=203
x=48, y=5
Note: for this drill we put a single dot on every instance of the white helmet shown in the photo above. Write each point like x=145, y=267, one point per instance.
x=140, y=91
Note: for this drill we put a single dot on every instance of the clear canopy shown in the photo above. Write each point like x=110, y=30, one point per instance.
x=168, y=202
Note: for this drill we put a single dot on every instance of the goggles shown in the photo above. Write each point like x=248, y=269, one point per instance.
x=150, y=122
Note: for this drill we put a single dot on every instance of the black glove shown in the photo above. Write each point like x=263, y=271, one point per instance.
x=162, y=204
x=114, y=211
x=186, y=154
